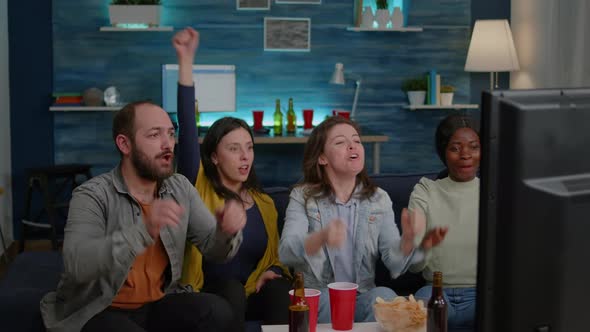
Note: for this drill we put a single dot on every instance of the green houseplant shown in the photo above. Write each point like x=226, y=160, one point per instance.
x=446, y=95
x=135, y=2
x=415, y=88
x=135, y=12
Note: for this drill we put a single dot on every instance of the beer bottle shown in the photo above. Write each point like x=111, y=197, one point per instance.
x=291, y=118
x=299, y=310
x=437, y=307
x=197, y=115
x=278, y=119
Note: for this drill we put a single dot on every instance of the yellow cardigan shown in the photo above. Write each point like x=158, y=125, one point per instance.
x=192, y=271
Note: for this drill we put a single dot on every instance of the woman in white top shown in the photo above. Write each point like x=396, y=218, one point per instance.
x=452, y=203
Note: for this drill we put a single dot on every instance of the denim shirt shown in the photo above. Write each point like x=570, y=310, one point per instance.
x=105, y=232
x=376, y=235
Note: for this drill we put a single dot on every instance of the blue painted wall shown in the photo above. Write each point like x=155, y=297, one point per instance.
x=85, y=57
x=71, y=55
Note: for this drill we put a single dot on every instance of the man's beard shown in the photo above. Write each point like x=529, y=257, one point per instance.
x=147, y=168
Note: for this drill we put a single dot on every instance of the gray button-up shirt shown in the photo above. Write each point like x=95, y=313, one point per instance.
x=105, y=232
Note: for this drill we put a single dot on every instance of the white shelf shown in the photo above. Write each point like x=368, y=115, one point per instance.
x=404, y=29
x=115, y=29
x=441, y=107
x=84, y=108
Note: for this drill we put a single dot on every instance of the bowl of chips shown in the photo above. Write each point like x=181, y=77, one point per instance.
x=402, y=314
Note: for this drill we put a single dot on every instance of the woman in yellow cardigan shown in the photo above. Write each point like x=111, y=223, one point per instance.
x=254, y=282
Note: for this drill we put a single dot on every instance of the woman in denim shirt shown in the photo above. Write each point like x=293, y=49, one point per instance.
x=338, y=223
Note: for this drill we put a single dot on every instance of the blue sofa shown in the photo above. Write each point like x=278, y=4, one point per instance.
x=32, y=274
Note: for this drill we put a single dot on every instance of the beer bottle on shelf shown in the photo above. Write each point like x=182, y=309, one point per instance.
x=291, y=118
x=437, y=307
x=197, y=115
x=278, y=119
x=299, y=310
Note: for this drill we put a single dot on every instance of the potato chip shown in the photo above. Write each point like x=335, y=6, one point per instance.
x=401, y=314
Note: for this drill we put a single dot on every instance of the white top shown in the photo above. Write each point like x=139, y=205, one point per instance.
x=456, y=205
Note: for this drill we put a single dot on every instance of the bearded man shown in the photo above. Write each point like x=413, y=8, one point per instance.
x=125, y=237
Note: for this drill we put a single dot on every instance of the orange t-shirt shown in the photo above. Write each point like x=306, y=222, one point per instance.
x=146, y=276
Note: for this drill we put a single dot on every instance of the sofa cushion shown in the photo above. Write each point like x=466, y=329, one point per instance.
x=30, y=276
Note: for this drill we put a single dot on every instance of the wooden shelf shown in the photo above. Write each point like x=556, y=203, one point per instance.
x=115, y=29
x=404, y=29
x=441, y=107
x=84, y=108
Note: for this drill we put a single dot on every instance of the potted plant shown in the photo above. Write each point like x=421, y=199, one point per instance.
x=415, y=88
x=382, y=14
x=135, y=12
x=446, y=95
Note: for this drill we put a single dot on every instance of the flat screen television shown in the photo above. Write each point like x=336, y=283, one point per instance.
x=534, y=225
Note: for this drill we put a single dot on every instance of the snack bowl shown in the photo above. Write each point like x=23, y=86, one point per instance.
x=402, y=314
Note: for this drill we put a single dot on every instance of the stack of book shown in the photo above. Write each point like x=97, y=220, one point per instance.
x=67, y=99
x=432, y=88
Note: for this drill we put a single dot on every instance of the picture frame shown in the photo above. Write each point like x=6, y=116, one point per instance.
x=300, y=2
x=287, y=34
x=253, y=4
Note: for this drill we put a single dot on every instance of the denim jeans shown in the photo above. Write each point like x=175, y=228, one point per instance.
x=363, y=310
x=461, y=305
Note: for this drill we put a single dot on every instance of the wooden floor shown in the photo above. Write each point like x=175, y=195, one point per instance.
x=12, y=251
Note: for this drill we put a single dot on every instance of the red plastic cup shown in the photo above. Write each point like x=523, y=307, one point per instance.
x=307, y=119
x=312, y=296
x=342, y=302
x=258, y=115
x=345, y=114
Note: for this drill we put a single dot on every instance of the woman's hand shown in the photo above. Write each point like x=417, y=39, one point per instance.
x=185, y=43
x=333, y=236
x=268, y=275
x=434, y=237
x=413, y=224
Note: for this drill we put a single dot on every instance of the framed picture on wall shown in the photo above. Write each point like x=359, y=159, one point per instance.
x=253, y=4
x=287, y=34
x=303, y=2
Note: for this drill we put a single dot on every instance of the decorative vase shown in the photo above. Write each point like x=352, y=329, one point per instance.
x=382, y=17
x=367, y=18
x=397, y=18
x=446, y=98
x=416, y=97
x=135, y=14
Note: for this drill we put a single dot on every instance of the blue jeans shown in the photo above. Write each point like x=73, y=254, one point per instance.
x=461, y=305
x=363, y=310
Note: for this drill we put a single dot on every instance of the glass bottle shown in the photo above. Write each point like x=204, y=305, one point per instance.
x=291, y=118
x=437, y=307
x=278, y=119
x=197, y=115
x=299, y=309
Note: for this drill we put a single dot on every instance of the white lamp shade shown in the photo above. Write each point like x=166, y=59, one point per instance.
x=491, y=48
x=338, y=75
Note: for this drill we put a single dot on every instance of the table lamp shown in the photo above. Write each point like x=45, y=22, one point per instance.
x=491, y=49
x=338, y=78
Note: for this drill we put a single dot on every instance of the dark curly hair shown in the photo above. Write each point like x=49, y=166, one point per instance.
x=447, y=127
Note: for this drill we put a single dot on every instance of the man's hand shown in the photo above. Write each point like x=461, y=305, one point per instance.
x=232, y=218
x=186, y=43
x=163, y=213
x=268, y=275
x=335, y=234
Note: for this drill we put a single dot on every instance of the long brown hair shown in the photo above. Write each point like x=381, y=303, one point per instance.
x=314, y=175
x=216, y=132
